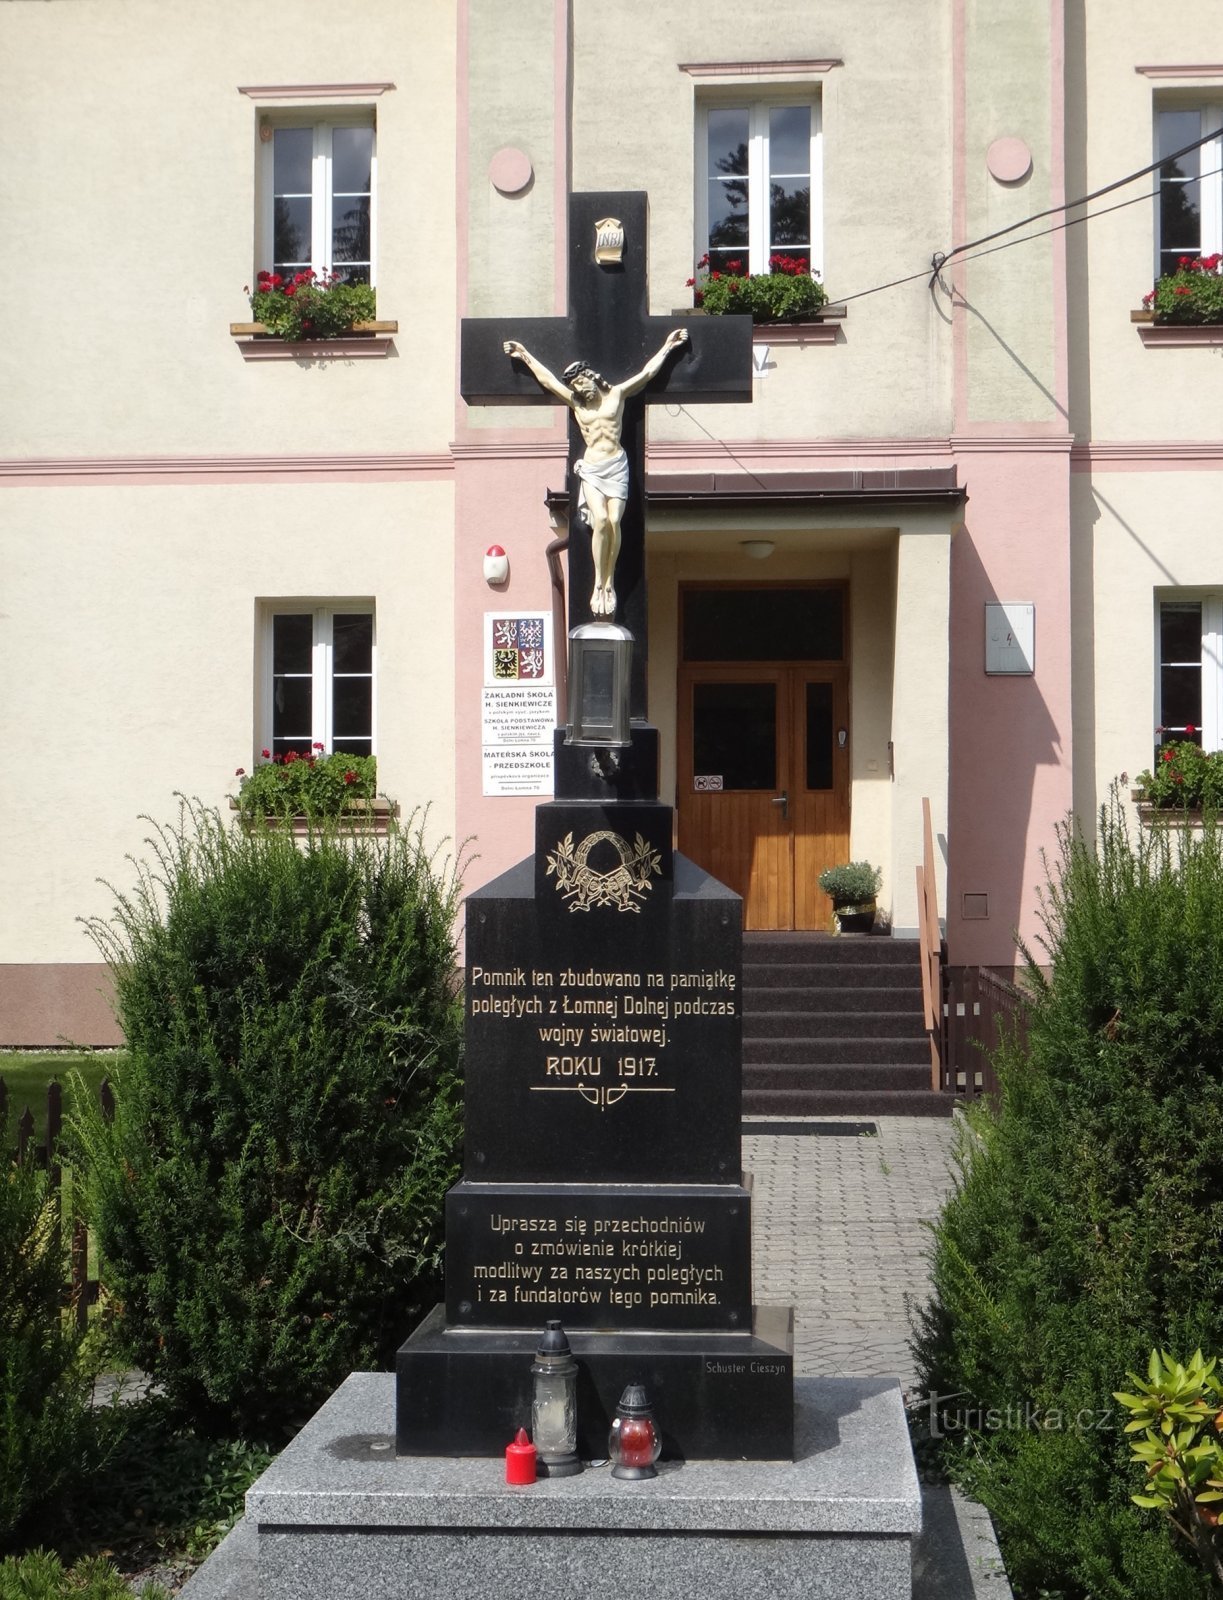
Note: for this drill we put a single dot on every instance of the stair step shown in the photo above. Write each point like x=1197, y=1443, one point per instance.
x=830, y=1002
x=832, y=1075
x=847, y=1103
x=833, y=1052
x=830, y=975
x=864, y=1024
x=829, y=950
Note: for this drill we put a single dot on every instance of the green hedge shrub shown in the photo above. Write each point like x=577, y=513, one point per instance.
x=43, y=1404
x=268, y=1197
x=1087, y=1222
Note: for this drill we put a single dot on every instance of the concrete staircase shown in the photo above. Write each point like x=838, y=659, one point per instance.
x=833, y=1027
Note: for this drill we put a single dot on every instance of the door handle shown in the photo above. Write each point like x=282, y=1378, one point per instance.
x=783, y=800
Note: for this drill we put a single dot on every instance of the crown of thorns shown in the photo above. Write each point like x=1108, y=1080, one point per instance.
x=576, y=367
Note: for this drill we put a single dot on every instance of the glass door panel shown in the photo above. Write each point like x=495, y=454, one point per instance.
x=734, y=735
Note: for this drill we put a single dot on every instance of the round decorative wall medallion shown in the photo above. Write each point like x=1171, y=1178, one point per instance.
x=510, y=170
x=1008, y=160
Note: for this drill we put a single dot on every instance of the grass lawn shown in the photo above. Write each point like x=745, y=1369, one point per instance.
x=26, y=1075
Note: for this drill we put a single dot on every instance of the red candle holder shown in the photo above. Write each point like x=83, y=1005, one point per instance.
x=520, y=1465
x=634, y=1443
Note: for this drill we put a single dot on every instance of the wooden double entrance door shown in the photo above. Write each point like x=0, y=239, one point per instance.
x=763, y=780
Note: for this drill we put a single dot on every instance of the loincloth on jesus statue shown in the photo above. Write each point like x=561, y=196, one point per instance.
x=609, y=477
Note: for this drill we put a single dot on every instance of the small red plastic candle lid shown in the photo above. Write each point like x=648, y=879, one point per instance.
x=520, y=1459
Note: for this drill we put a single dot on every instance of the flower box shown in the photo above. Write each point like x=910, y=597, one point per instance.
x=1184, y=781
x=358, y=817
x=1189, y=298
x=786, y=293
x=1163, y=334
x=822, y=328
x=259, y=330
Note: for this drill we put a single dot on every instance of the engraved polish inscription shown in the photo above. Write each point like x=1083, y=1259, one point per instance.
x=598, y=1032
x=639, y=1261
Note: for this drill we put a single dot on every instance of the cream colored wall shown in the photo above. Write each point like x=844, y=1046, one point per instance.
x=130, y=626
x=886, y=173
x=1147, y=535
x=1124, y=390
x=1010, y=297
x=872, y=628
x=134, y=199
x=920, y=684
x=511, y=94
x=510, y=97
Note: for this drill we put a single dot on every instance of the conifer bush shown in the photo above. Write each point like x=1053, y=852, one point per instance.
x=1086, y=1226
x=43, y=1406
x=41, y=1575
x=268, y=1196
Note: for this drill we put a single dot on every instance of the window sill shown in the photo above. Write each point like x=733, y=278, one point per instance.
x=822, y=329
x=1162, y=334
x=368, y=340
x=369, y=817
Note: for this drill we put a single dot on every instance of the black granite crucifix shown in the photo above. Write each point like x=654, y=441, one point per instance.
x=609, y=327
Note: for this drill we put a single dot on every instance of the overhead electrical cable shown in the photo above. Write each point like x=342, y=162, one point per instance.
x=960, y=251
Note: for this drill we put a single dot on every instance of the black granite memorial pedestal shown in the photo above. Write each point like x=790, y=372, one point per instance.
x=602, y=1180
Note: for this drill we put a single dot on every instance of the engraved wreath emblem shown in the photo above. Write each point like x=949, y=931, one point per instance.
x=624, y=886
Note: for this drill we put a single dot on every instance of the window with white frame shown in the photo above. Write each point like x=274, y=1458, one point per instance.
x=1189, y=686
x=319, y=678
x=758, y=182
x=1191, y=187
x=319, y=185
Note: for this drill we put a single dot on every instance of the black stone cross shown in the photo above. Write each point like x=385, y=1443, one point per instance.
x=609, y=327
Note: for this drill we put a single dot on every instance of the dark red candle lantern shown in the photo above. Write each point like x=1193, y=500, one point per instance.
x=634, y=1444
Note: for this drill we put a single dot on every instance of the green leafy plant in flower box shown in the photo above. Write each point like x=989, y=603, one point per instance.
x=306, y=784
x=1193, y=294
x=786, y=293
x=309, y=305
x=1184, y=776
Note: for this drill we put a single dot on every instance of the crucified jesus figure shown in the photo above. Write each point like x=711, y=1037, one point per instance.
x=603, y=469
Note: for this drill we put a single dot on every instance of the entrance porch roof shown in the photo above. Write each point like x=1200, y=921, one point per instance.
x=892, y=486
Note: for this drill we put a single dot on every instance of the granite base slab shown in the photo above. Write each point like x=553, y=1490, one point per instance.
x=338, y=1514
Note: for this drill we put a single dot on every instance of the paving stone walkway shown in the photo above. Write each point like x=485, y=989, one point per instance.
x=839, y=1233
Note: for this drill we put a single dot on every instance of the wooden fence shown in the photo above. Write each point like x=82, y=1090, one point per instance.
x=980, y=1009
x=80, y=1290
